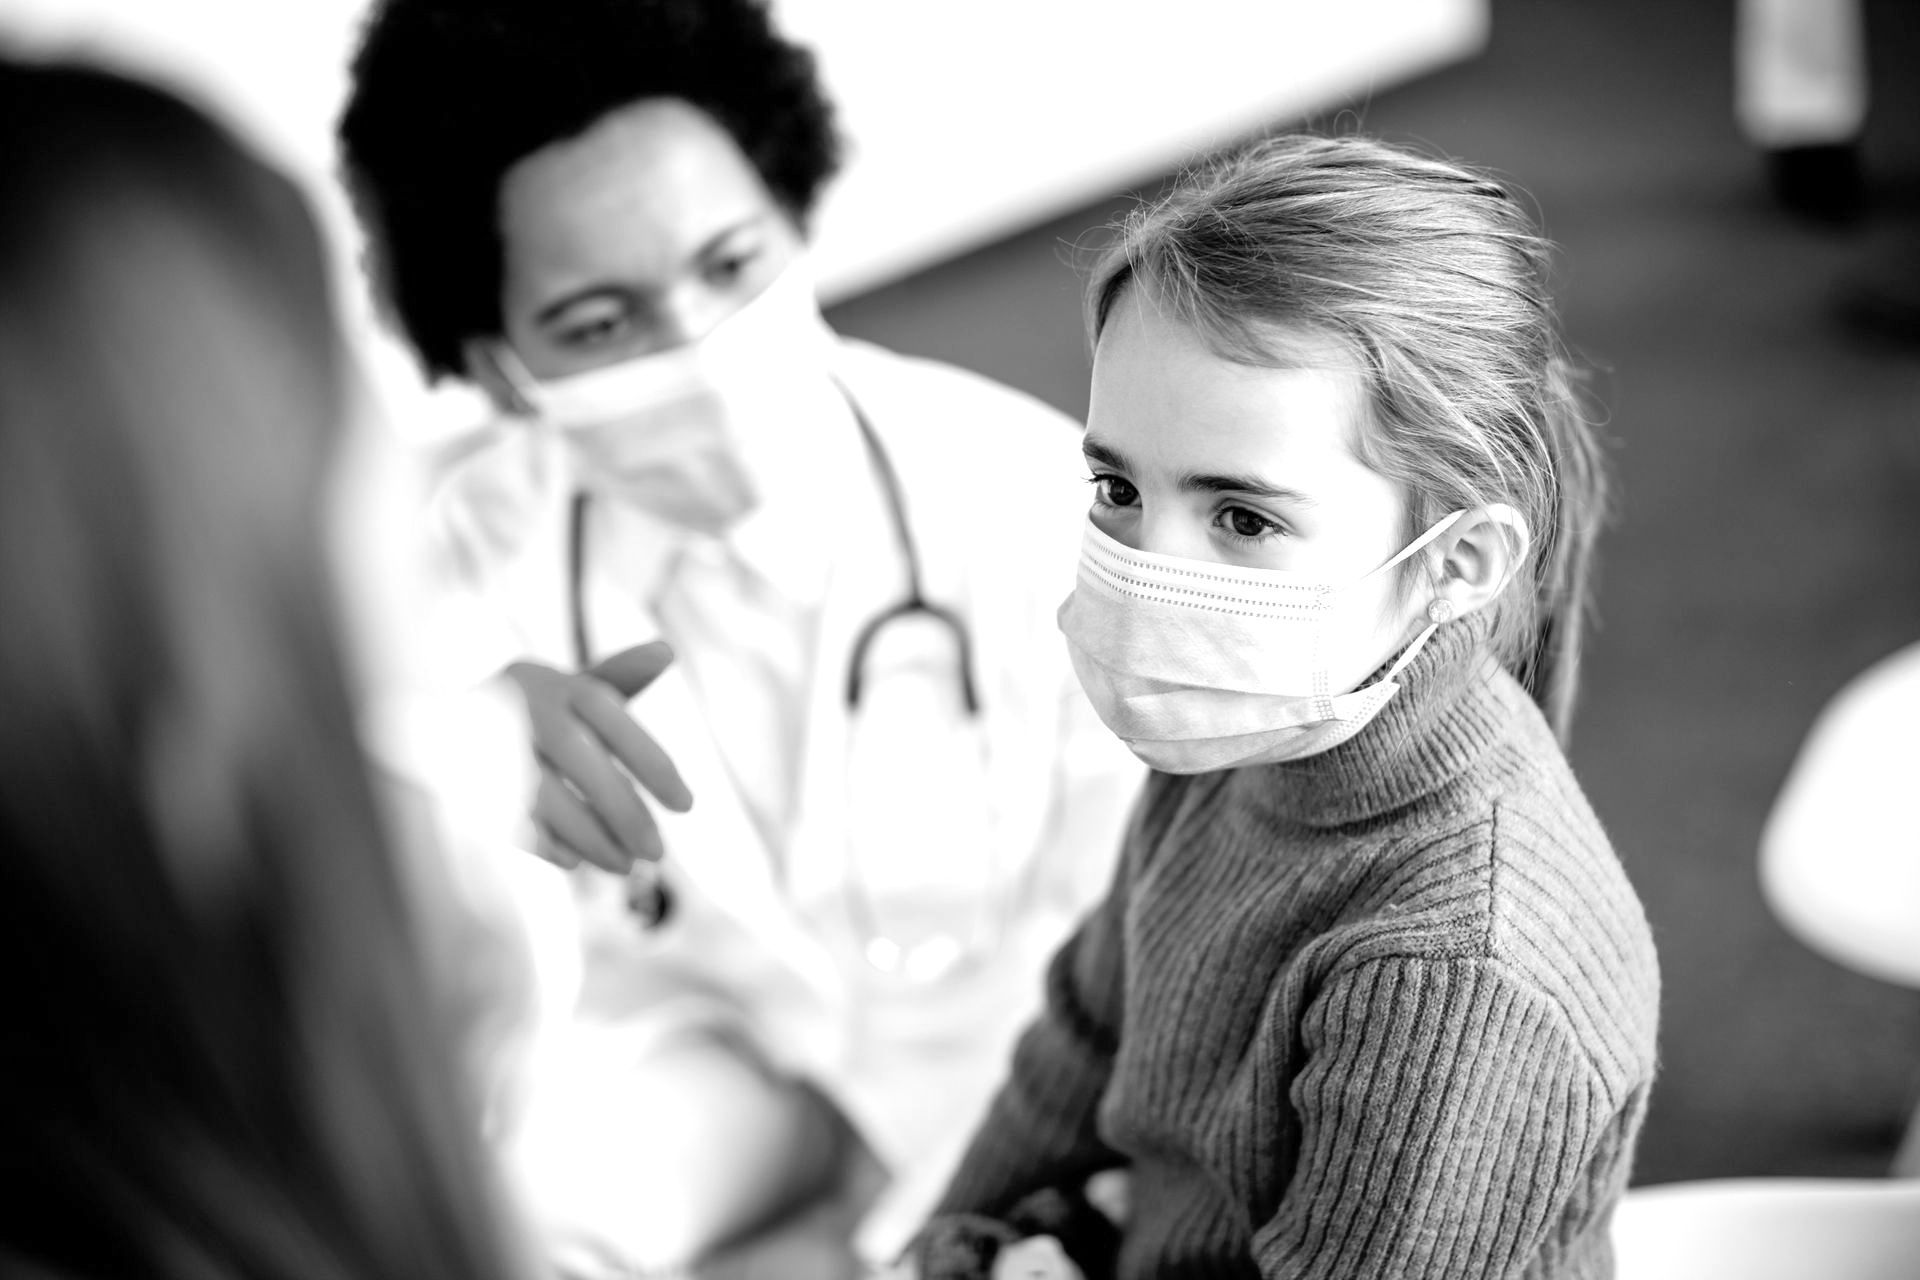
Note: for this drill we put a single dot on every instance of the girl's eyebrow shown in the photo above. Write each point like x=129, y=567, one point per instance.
x=1101, y=455
x=1202, y=482
x=1246, y=483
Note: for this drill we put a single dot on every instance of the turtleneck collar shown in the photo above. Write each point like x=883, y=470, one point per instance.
x=1453, y=702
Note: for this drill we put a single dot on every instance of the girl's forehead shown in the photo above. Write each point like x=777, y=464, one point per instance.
x=1163, y=387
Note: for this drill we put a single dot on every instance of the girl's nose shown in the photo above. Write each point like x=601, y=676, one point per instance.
x=1167, y=529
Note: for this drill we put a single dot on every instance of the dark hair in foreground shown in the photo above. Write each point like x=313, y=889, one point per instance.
x=222, y=1056
x=448, y=95
x=1433, y=276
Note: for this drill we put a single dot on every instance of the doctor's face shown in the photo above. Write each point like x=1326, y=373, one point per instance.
x=640, y=234
x=1198, y=456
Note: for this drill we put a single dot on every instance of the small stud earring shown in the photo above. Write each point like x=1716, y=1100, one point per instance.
x=1439, y=611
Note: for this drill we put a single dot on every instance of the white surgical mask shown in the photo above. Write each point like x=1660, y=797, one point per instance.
x=697, y=434
x=1199, y=666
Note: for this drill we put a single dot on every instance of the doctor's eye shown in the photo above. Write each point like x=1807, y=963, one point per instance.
x=1114, y=491
x=594, y=333
x=1249, y=526
x=591, y=324
x=727, y=270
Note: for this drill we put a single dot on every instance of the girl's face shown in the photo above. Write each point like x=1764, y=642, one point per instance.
x=1197, y=456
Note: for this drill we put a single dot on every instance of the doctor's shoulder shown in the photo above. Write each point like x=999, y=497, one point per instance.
x=1010, y=448
x=481, y=451
x=488, y=486
x=924, y=395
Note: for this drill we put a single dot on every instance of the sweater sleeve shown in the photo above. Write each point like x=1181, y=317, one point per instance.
x=1448, y=1120
x=1040, y=1130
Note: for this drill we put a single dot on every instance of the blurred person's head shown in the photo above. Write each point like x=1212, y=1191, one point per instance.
x=1379, y=322
x=223, y=1056
x=585, y=181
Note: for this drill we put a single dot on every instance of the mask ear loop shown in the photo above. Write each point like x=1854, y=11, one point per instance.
x=1408, y=654
x=1440, y=526
x=1412, y=651
x=514, y=377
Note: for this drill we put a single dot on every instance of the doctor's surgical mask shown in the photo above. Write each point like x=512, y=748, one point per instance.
x=1199, y=666
x=696, y=434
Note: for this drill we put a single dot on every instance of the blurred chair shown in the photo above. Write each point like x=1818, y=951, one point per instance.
x=1840, y=855
x=1800, y=94
x=1770, y=1229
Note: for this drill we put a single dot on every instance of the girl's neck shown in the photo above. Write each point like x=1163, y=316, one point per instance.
x=1453, y=701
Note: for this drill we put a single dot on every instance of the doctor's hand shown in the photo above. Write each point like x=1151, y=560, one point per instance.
x=591, y=753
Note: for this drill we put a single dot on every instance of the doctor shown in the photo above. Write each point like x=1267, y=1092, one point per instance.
x=871, y=799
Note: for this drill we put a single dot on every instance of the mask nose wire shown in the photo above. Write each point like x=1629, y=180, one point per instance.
x=514, y=377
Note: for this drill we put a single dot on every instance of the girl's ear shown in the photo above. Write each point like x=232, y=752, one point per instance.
x=1478, y=556
x=496, y=370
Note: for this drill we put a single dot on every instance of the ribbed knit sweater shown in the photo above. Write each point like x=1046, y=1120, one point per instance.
x=1388, y=1011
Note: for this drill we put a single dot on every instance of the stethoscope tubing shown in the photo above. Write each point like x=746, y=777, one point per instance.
x=915, y=601
x=648, y=896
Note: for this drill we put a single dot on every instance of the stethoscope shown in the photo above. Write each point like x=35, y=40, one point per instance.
x=648, y=897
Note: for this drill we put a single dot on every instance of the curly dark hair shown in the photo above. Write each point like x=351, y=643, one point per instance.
x=447, y=95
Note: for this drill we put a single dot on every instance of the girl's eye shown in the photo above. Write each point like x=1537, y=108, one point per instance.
x=1242, y=523
x=1113, y=491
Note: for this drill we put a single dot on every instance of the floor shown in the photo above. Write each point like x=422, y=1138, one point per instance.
x=1767, y=541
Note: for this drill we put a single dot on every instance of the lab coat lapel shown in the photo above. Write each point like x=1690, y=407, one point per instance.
x=867, y=576
x=715, y=844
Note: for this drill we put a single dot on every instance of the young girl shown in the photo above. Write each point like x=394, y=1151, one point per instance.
x=1370, y=995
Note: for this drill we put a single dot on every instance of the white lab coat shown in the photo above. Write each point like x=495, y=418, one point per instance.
x=762, y=938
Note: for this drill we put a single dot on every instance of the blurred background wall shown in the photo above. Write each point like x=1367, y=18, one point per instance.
x=962, y=124
x=969, y=122
x=1767, y=540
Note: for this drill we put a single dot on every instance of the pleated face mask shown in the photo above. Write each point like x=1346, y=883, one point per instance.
x=697, y=434
x=1199, y=666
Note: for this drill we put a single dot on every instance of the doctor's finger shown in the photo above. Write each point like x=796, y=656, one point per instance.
x=586, y=765
x=550, y=848
x=635, y=748
x=632, y=670
x=564, y=816
x=583, y=760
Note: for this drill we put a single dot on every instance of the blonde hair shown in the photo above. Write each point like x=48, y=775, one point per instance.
x=1434, y=276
